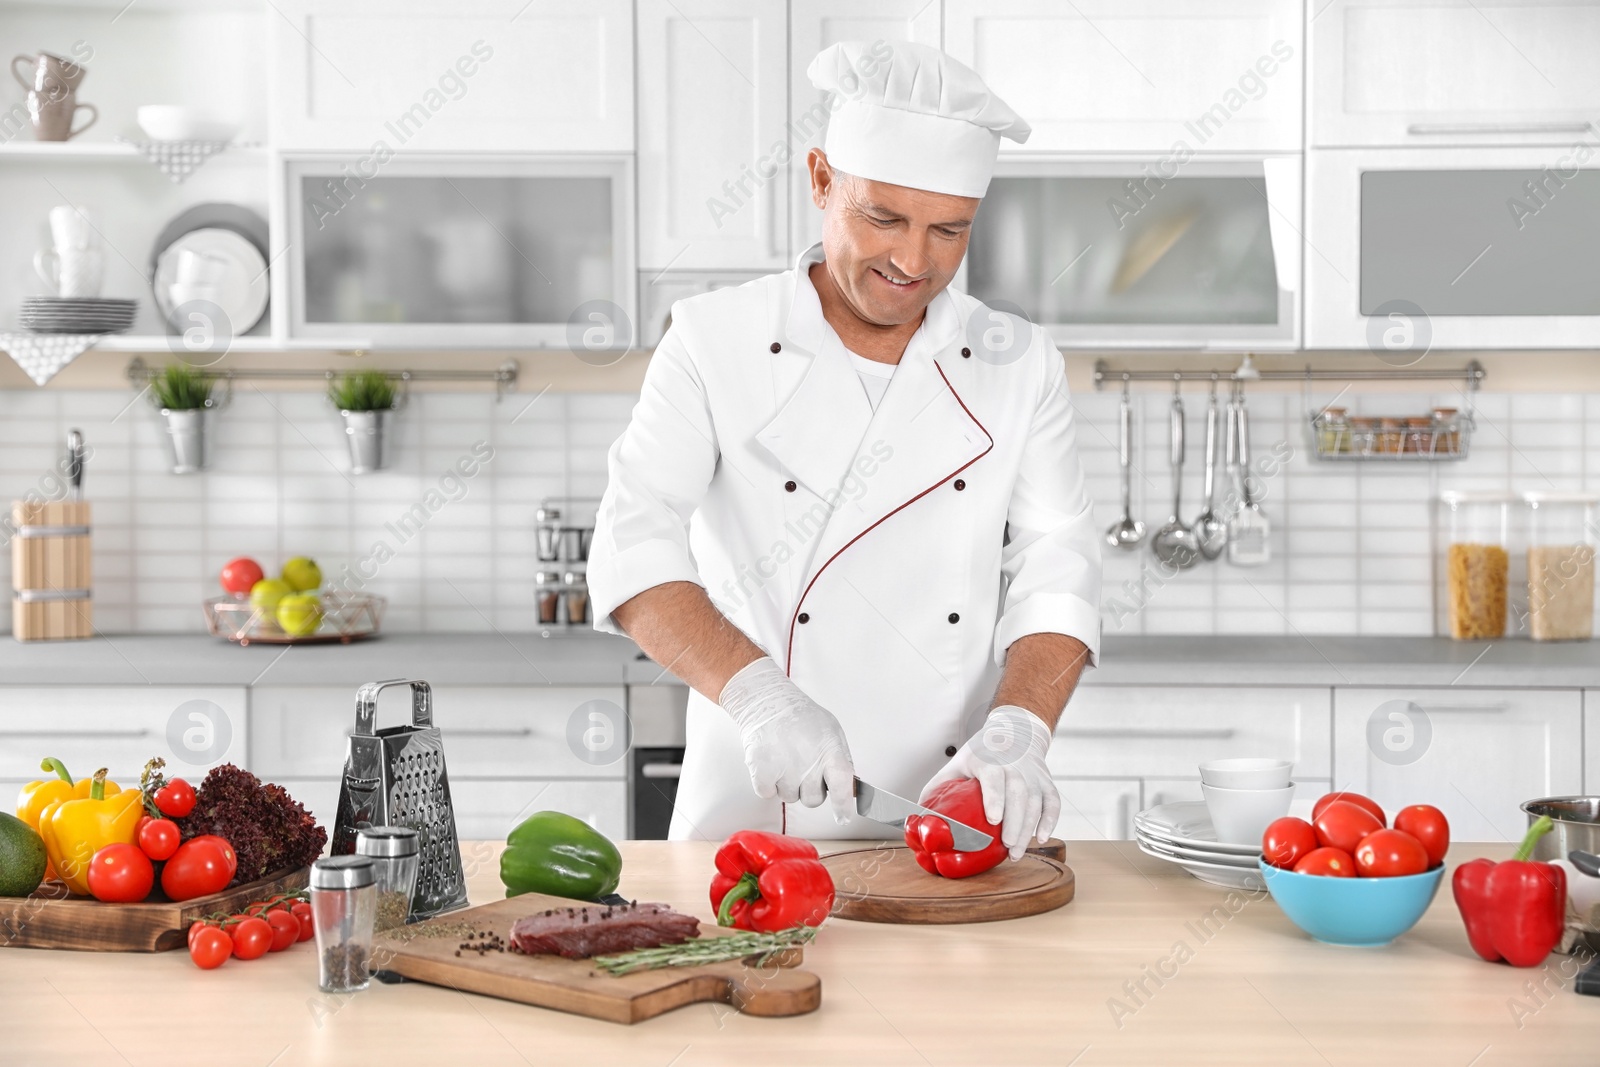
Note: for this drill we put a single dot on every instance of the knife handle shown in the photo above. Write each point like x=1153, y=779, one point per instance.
x=1053, y=849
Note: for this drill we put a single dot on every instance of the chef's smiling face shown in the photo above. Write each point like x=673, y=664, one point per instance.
x=889, y=249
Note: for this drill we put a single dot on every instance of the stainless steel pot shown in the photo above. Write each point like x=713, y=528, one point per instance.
x=1577, y=822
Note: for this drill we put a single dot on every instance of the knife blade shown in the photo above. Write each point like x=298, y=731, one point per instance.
x=880, y=805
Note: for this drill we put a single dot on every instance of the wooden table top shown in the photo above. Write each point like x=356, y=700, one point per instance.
x=1140, y=968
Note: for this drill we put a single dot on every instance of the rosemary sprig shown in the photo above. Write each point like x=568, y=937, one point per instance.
x=705, y=950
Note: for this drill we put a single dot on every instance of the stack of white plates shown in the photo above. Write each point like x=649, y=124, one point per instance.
x=62, y=314
x=1181, y=833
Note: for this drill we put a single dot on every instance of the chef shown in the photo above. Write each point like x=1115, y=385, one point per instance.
x=848, y=509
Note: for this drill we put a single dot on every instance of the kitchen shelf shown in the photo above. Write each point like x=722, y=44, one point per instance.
x=1391, y=440
x=104, y=151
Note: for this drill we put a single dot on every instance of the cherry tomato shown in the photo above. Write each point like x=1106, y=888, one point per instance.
x=121, y=874
x=239, y=575
x=1332, y=862
x=175, y=799
x=158, y=838
x=1427, y=824
x=208, y=946
x=1390, y=854
x=285, y=929
x=1342, y=825
x=252, y=938
x=202, y=865
x=302, y=911
x=195, y=928
x=1349, y=798
x=1286, y=841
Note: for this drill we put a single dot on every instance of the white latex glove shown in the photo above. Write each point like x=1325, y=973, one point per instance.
x=1007, y=759
x=794, y=747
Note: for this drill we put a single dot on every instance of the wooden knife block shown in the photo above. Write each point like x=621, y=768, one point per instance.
x=50, y=576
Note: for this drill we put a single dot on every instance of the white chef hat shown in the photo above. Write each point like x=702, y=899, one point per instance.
x=908, y=114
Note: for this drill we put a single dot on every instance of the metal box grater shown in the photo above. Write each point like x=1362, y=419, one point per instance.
x=396, y=777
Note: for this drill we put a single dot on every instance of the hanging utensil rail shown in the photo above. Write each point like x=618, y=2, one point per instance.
x=1473, y=374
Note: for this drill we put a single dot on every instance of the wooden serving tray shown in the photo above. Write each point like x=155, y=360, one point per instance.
x=885, y=885
x=577, y=986
x=51, y=919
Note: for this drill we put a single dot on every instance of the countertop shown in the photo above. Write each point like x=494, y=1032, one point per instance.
x=1248, y=988
x=588, y=658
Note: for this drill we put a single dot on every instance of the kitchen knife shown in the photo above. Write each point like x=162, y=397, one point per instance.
x=880, y=805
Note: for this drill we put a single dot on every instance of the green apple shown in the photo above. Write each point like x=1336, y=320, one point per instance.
x=303, y=574
x=300, y=614
x=266, y=593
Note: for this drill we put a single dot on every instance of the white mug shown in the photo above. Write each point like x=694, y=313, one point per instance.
x=72, y=272
x=72, y=227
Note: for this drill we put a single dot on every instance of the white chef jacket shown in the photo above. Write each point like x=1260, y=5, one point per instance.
x=885, y=558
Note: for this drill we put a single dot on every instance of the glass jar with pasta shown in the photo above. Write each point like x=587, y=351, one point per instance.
x=1562, y=529
x=1477, y=563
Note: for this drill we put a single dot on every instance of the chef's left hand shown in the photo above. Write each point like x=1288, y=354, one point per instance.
x=1007, y=759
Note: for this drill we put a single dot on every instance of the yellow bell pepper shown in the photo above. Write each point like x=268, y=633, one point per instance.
x=35, y=795
x=74, y=830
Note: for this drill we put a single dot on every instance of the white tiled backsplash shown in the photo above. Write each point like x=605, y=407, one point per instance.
x=1351, y=542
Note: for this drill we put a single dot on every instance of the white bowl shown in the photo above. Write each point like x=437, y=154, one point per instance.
x=1249, y=772
x=177, y=122
x=1241, y=816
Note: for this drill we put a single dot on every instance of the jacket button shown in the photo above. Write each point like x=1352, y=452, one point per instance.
x=788, y=487
x=949, y=750
x=954, y=617
x=776, y=347
x=960, y=485
x=804, y=617
x=966, y=353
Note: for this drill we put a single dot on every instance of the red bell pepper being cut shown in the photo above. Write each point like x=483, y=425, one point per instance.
x=930, y=839
x=770, y=882
x=1516, y=910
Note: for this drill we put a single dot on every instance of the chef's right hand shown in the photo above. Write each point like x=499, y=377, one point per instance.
x=794, y=747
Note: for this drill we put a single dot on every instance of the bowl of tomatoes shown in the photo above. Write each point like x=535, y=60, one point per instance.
x=1348, y=877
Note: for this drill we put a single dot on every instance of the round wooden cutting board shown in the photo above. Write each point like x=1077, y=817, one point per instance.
x=885, y=885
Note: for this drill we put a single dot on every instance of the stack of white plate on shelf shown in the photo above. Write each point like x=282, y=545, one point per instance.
x=1182, y=833
x=63, y=314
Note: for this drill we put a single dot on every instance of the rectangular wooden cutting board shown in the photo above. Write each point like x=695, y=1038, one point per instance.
x=577, y=986
x=49, y=919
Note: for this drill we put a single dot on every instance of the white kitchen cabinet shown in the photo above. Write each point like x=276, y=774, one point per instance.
x=474, y=75
x=1097, y=809
x=1451, y=72
x=813, y=26
x=1140, y=75
x=1476, y=754
x=713, y=141
x=659, y=290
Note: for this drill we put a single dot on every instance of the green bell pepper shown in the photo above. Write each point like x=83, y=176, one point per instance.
x=554, y=853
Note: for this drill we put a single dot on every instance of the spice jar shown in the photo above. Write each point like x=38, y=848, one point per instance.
x=395, y=857
x=1333, y=431
x=1446, y=431
x=1363, y=435
x=1561, y=549
x=1419, y=435
x=547, y=531
x=1391, y=436
x=1477, y=565
x=344, y=898
x=547, y=595
x=577, y=597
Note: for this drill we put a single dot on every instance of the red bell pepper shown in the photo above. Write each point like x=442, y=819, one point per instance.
x=1516, y=910
x=930, y=839
x=769, y=882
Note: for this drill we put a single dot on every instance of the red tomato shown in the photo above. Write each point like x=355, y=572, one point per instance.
x=121, y=874
x=302, y=911
x=208, y=946
x=239, y=575
x=1390, y=854
x=1333, y=862
x=175, y=799
x=1349, y=798
x=202, y=865
x=1286, y=841
x=158, y=838
x=285, y=929
x=252, y=938
x=1342, y=825
x=1427, y=824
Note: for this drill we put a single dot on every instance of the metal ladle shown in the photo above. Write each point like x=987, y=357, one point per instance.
x=1126, y=533
x=1176, y=543
x=1210, y=531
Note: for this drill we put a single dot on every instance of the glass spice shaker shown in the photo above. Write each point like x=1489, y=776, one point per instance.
x=577, y=597
x=1419, y=435
x=395, y=857
x=547, y=595
x=548, y=532
x=1446, y=431
x=344, y=899
x=1333, y=431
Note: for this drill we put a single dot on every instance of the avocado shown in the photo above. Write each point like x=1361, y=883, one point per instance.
x=22, y=857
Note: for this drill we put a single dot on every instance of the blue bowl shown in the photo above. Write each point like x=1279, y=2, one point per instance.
x=1352, y=911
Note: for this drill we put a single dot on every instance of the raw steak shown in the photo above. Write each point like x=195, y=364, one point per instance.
x=596, y=930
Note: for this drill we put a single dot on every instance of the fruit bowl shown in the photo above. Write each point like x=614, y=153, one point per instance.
x=346, y=617
x=1352, y=911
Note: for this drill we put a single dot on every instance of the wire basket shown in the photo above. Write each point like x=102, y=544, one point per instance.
x=346, y=617
x=1421, y=438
